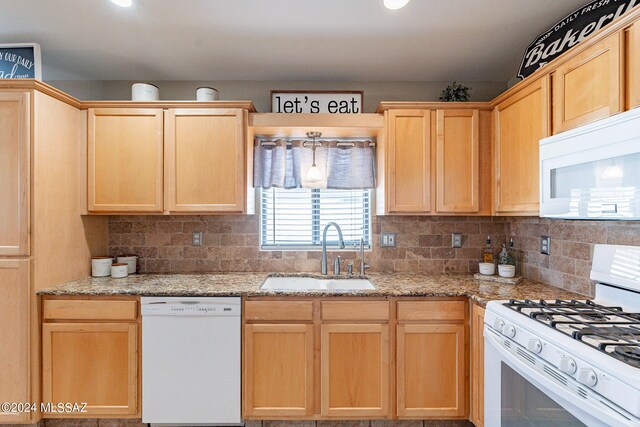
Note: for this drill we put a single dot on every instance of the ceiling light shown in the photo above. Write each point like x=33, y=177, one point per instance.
x=123, y=3
x=393, y=4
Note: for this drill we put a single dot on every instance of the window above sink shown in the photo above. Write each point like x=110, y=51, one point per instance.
x=293, y=219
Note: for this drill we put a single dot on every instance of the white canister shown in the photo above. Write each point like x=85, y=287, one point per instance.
x=144, y=92
x=487, y=268
x=207, y=94
x=101, y=266
x=507, y=270
x=119, y=270
x=130, y=260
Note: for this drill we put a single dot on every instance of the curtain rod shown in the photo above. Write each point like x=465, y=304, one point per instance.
x=341, y=142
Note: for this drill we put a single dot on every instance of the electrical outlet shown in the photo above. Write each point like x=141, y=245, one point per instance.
x=196, y=238
x=545, y=245
x=456, y=240
x=388, y=240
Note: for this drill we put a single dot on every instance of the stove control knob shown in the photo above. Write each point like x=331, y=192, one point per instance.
x=510, y=331
x=587, y=377
x=568, y=365
x=498, y=324
x=535, y=346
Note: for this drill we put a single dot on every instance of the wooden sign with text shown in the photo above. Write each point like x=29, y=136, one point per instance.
x=296, y=102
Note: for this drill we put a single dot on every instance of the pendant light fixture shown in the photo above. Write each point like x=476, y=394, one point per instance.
x=314, y=174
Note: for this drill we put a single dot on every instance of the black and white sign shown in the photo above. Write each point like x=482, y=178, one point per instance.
x=570, y=31
x=20, y=61
x=283, y=101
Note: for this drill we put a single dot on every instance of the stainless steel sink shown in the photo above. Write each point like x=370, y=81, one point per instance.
x=298, y=283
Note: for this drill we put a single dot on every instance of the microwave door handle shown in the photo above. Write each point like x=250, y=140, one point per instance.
x=552, y=389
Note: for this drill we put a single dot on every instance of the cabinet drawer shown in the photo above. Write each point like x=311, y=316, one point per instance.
x=355, y=310
x=278, y=310
x=431, y=310
x=87, y=310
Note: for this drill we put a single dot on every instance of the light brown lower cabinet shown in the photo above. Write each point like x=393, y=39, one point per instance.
x=14, y=341
x=477, y=365
x=432, y=359
x=278, y=370
x=333, y=358
x=90, y=361
x=355, y=370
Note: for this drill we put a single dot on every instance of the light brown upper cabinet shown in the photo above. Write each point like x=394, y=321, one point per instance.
x=14, y=173
x=589, y=86
x=477, y=365
x=408, y=161
x=633, y=65
x=125, y=160
x=520, y=122
x=204, y=160
x=14, y=337
x=457, y=153
x=431, y=359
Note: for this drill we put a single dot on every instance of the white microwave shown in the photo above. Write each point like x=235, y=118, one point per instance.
x=593, y=172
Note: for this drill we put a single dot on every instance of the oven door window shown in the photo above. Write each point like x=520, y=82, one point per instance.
x=523, y=404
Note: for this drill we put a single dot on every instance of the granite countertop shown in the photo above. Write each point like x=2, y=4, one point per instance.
x=248, y=284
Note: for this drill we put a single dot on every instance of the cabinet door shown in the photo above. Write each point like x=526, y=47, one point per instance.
x=14, y=336
x=204, y=159
x=520, y=122
x=457, y=161
x=588, y=87
x=408, y=161
x=431, y=373
x=96, y=363
x=125, y=160
x=633, y=65
x=278, y=370
x=14, y=173
x=355, y=370
x=477, y=365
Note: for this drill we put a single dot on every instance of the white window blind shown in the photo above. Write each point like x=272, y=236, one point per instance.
x=295, y=218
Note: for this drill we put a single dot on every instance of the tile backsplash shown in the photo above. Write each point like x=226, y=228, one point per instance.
x=569, y=264
x=231, y=243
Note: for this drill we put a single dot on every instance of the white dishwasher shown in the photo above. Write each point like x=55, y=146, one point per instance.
x=191, y=361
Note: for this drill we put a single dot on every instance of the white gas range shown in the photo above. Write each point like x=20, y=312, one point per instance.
x=568, y=363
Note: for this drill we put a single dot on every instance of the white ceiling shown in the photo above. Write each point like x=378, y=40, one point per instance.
x=330, y=40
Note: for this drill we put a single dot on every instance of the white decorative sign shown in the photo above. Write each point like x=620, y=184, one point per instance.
x=296, y=102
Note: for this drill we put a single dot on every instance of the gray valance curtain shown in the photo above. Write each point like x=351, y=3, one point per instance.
x=284, y=163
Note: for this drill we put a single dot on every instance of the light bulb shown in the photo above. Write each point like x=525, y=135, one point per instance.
x=395, y=4
x=314, y=174
x=122, y=3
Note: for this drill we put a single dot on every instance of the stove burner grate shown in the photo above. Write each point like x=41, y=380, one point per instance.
x=607, y=329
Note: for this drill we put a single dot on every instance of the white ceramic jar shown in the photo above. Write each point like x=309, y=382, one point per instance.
x=131, y=261
x=144, y=92
x=487, y=268
x=506, y=270
x=119, y=270
x=204, y=94
x=101, y=266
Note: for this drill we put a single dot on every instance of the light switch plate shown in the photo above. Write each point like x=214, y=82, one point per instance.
x=388, y=240
x=456, y=240
x=545, y=245
x=196, y=238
